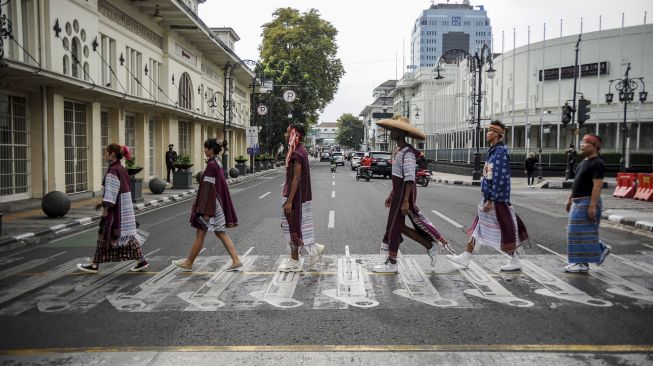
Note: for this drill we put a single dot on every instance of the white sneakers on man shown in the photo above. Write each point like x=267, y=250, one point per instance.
x=577, y=268
x=319, y=249
x=514, y=264
x=291, y=265
x=386, y=267
x=432, y=254
x=462, y=259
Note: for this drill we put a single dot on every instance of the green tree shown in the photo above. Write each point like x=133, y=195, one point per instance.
x=350, y=131
x=300, y=49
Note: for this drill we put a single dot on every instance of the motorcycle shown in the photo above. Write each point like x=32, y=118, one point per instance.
x=364, y=172
x=423, y=177
x=333, y=167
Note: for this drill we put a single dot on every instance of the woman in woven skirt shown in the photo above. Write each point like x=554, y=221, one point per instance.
x=402, y=200
x=118, y=238
x=212, y=209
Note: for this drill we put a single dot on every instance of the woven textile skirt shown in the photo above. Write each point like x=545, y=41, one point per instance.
x=500, y=228
x=108, y=252
x=583, y=243
x=298, y=228
x=216, y=223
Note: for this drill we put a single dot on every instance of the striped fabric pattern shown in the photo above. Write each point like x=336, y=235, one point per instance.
x=404, y=165
x=583, y=243
x=111, y=188
x=128, y=230
x=488, y=231
x=307, y=234
x=217, y=222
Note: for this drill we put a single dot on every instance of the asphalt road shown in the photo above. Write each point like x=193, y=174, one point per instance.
x=50, y=311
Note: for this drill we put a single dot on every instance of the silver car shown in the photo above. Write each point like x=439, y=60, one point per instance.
x=355, y=161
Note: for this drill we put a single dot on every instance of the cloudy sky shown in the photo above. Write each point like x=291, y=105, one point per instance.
x=374, y=35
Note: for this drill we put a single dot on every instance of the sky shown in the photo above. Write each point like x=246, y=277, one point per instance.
x=374, y=35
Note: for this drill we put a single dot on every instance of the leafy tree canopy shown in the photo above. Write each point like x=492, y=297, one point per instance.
x=350, y=131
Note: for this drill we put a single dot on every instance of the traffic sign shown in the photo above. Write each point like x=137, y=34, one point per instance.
x=251, y=134
x=262, y=109
x=289, y=95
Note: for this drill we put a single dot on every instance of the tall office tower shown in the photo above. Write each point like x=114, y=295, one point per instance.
x=442, y=27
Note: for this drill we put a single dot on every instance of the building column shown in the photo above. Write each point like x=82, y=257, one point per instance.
x=197, y=155
x=36, y=163
x=140, y=130
x=56, y=153
x=94, y=162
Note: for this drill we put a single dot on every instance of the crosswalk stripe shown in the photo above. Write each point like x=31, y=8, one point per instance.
x=418, y=286
x=351, y=288
x=445, y=218
x=263, y=195
x=332, y=219
x=281, y=289
x=27, y=265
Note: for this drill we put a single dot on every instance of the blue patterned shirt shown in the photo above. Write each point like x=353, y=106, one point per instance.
x=495, y=184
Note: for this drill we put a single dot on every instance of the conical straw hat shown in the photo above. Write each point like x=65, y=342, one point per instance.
x=403, y=124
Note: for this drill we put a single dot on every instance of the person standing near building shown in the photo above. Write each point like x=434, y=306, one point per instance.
x=402, y=200
x=529, y=169
x=572, y=158
x=496, y=224
x=296, y=202
x=119, y=238
x=212, y=209
x=584, y=208
x=171, y=157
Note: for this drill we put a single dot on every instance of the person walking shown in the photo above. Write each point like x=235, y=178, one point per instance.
x=496, y=224
x=584, y=207
x=212, y=209
x=402, y=200
x=171, y=157
x=529, y=169
x=119, y=238
x=572, y=158
x=296, y=202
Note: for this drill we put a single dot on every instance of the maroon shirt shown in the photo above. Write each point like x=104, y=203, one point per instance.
x=303, y=193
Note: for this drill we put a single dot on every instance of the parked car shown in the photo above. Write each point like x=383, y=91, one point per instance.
x=325, y=156
x=381, y=163
x=355, y=160
x=340, y=158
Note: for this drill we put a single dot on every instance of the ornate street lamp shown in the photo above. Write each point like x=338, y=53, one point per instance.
x=478, y=62
x=626, y=88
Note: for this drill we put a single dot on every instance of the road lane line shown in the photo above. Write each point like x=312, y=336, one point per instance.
x=282, y=184
x=351, y=287
x=648, y=246
x=417, y=285
x=333, y=194
x=332, y=219
x=333, y=183
x=447, y=219
x=263, y=195
x=642, y=266
x=27, y=265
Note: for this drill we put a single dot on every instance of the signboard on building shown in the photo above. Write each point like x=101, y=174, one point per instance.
x=567, y=72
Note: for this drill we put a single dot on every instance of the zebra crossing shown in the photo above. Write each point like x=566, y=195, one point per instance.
x=338, y=282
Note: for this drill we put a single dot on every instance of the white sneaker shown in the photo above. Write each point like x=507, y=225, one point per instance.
x=462, y=259
x=432, y=254
x=315, y=258
x=291, y=265
x=386, y=267
x=577, y=268
x=514, y=264
x=604, y=253
x=383, y=250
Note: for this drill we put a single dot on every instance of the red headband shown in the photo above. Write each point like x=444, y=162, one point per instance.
x=496, y=129
x=592, y=140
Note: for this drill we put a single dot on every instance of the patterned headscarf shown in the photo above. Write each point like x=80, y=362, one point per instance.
x=294, y=139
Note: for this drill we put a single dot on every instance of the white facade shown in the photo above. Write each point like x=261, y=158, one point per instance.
x=144, y=76
x=327, y=131
x=522, y=101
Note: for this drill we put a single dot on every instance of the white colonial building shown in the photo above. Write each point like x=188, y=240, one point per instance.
x=531, y=84
x=82, y=74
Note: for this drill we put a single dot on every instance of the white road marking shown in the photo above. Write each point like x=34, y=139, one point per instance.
x=263, y=195
x=282, y=184
x=333, y=194
x=332, y=219
x=27, y=265
x=619, y=286
x=281, y=290
x=418, y=286
x=447, y=219
x=648, y=246
x=333, y=183
x=351, y=284
x=642, y=266
x=488, y=288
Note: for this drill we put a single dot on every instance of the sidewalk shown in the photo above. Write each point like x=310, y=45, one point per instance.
x=623, y=211
x=26, y=221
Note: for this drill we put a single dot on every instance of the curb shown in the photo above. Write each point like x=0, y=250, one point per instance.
x=645, y=224
x=456, y=182
x=67, y=228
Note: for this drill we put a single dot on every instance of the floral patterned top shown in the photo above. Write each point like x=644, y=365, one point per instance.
x=495, y=184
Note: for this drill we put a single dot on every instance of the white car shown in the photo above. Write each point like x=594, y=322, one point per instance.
x=355, y=161
x=340, y=158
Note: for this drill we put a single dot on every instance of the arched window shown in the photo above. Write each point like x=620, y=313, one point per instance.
x=75, y=50
x=66, y=65
x=185, y=92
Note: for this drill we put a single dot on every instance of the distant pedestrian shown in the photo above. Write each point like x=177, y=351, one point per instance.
x=402, y=200
x=529, y=169
x=572, y=159
x=496, y=224
x=584, y=208
x=171, y=157
x=212, y=209
x=118, y=238
x=296, y=202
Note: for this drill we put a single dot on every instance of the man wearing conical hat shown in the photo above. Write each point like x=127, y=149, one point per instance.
x=401, y=199
x=496, y=224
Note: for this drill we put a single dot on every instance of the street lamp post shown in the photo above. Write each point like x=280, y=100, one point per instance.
x=478, y=63
x=539, y=148
x=626, y=88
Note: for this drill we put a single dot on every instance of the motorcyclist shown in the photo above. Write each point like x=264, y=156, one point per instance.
x=334, y=163
x=366, y=163
x=421, y=162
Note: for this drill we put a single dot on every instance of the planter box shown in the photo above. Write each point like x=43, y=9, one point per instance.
x=136, y=188
x=242, y=168
x=182, y=179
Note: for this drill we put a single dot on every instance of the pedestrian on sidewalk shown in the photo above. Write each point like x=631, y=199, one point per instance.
x=402, y=200
x=572, y=159
x=296, y=202
x=496, y=224
x=119, y=238
x=171, y=157
x=212, y=209
x=529, y=169
x=584, y=208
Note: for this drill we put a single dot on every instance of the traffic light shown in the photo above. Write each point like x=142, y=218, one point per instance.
x=566, y=114
x=583, y=110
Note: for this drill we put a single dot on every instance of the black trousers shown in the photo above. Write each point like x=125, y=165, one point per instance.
x=531, y=178
x=168, y=170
